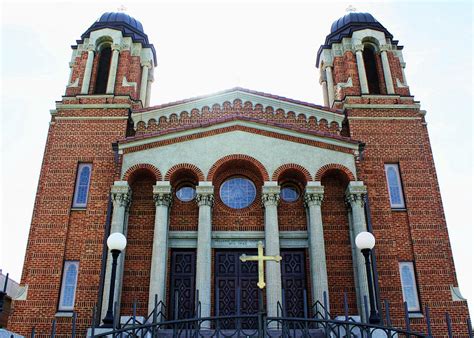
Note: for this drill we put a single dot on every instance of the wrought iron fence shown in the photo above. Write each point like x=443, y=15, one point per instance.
x=316, y=321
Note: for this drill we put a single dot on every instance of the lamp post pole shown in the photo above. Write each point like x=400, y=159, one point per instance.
x=109, y=317
x=116, y=243
x=365, y=241
x=374, y=317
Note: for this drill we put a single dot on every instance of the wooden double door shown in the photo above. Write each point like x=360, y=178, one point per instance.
x=236, y=291
x=235, y=284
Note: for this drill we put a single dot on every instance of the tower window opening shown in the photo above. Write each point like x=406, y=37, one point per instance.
x=103, y=70
x=371, y=69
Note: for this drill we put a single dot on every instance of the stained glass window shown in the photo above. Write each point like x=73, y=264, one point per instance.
x=68, y=287
x=82, y=185
x=238, y=192
x=409, y=287
x=186, y=193
x=289, y=193
x=394, y=186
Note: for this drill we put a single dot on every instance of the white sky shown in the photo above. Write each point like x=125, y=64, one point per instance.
x=207, y=47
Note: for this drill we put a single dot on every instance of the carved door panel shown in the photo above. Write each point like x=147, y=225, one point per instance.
x=293, y=275
x=182, y=281
x=235, y=287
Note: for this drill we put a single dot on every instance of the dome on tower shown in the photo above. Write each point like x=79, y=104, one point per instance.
x=362, y=19
x=348, y=24
x=119, y=19
x=123, y=22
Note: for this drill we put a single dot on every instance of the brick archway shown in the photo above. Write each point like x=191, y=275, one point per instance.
x=333, y=166
x=263, y=172
x=139, y=167
x=291, y=166
x=188, y=166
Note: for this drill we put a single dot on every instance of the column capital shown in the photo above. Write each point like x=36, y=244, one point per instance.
x=205, y=194
x=384, y=48
x=355, y=193
x=146, y=64
x=359, y=48
x=326, y=65
x=270, y=194
x=162, y=194
x=314, y=194
x=121, y=194
x=90, y=48
x=116, y=47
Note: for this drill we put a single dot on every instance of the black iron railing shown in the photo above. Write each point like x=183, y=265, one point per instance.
x=316, y=321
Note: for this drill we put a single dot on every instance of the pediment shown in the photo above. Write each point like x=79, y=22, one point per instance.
x=244, y=124
x=239, y=99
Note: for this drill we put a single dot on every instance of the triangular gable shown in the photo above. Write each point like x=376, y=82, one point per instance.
x=245, y=95
x=239, y=123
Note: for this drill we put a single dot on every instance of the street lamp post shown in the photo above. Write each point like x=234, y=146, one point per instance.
x=116, y=243
x=365, y=241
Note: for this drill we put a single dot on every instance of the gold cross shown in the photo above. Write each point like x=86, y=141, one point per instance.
x=260, y=258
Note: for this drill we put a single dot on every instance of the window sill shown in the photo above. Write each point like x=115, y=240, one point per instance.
x=64, y=314
x=414, y=315
x=399, y=209
x=78, y=209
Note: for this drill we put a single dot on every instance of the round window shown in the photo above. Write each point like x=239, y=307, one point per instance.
x=238, y=192
x=186, y=193
x=289, y=193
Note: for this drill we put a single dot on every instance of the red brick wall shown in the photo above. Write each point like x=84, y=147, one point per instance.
x=141, y=220
x=59, y=233
x=337, y=243
x=418, y=233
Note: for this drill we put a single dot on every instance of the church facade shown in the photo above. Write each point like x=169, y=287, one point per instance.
x=195, y=184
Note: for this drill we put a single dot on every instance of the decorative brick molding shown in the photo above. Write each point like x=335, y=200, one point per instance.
x=239, y=157
x=186, y=166
x=333, y=166
x=142, y=166
x=294, y=167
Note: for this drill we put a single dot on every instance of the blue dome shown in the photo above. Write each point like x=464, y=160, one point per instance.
x=129, y=27
x=351, y=18
x=121, y=18
x=348, y=24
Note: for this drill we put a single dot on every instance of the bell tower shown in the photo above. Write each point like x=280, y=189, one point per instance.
x=362, y=74
x=111, y=71
x=113, y=57
x=359, y=57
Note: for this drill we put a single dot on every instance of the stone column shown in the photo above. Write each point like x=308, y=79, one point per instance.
x=364, y=86
x=159, y=258
x=387, y=74
x=403, y=65
x=113, y=69
x=144, y=82
x=317, y=252
x=270, y=199
x=324, y=84
x=71, y=71
x=121, y=197
x=330, y=84
x=355, y=198
x=148, y=88
x=205, y=200
x=88, y=71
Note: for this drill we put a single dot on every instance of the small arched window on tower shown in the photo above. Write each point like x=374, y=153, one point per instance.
x=371, y=69
x=102, y=77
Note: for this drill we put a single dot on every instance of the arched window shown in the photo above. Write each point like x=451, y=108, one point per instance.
x=69, y=283
x=371, y=69
x=82, y=185
x=409, y=287
x=103, y=70
x=394, y=186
